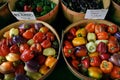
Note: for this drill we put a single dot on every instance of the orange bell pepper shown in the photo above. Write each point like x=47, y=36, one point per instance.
x=112, y=29
x=106, y=66
x=113, y=47
x=90, y=27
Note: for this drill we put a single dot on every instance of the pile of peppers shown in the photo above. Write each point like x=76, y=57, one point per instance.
x=39, y=7
x=94, y=50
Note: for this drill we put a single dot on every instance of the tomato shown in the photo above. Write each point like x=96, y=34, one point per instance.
x=27, y=55
x=102, y=36
x=14, y=49
x=23, y=47
x=72, y=31
x=19, y=69
x=46, y=44
x=28, y=34
x=50, y=36
x=4, y=50
x=75, y=63
x=112, y=29
x=39, y=37
x=36, y=47
x=90, y=27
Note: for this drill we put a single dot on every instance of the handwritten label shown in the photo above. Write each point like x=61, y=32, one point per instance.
x=96, y=14
x=24, y=15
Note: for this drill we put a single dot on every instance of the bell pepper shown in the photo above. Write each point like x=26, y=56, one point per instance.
x=95, y=72
x=106, y=66
x=98, y=41
x=80, y=51
x=112, y=29
x=91, y=37
x=115, y=59
x=104, y=56
x=75, y=63
x=102, y=36
x=81, y=32
x=115, y=73
x=72, y=31
x=95, y=61
x=112, y=39
x=68, y=50
x=90, y=27
x=113, y=47
x=102, y=48
x=50, y=61
x=85, y=62
x=91, y=47
x=117, y=35
x=77, y=41
x=93, y=54
x=99, y=28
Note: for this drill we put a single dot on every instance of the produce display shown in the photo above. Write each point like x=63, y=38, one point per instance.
x=83, y=5
x=27, y=52
x=92, y=49
x=39, y=7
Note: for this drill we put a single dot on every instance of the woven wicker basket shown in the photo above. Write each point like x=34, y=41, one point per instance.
x=49, y=17
x=73, y=16
x=16, y=25
x=81, y=23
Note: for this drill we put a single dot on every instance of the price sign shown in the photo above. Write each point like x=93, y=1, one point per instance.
x=24, y=15
x=96, y=14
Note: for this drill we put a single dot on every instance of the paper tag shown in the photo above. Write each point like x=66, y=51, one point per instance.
x=24, y=15
x=96, y=13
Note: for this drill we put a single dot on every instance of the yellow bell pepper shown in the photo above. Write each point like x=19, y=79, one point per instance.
x=81, y=32
x=95, y=72
x=93, y=54
x=77, y=41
